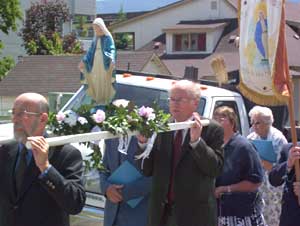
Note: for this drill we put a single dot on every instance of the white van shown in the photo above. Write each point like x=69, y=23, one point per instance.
x=143, y=90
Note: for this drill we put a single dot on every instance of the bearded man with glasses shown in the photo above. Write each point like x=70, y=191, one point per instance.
x=40, y=185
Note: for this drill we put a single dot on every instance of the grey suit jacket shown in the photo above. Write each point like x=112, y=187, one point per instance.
x=43, y=201
x=122, y=214
x=194, y=181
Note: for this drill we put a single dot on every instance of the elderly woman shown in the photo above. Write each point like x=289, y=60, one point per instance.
x=262, y=120
x=98, y=64
x=237, y=187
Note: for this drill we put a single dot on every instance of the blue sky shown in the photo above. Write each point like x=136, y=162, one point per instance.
x=113, y=6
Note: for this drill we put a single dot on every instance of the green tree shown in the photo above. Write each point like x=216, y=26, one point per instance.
x=122, y=39
x=10, y=13
x=43, y=19
x=57, y=45
x=121, y=15
x=81, y=22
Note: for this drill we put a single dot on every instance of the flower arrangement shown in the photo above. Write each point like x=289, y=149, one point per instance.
x=119, y=117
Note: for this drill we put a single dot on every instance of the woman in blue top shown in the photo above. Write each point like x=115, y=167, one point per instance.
x=237, y=186
x=98, y=65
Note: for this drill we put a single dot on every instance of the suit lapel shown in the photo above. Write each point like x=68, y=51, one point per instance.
x=32, y=173
x=30, y=176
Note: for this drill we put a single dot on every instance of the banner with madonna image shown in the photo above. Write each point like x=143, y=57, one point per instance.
x=264, y=70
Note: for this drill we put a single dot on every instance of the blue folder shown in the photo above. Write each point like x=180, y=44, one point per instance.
x=124, y=174
x=265, y=150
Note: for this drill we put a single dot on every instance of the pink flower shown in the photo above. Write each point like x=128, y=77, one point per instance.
x=146, y=112
x=99, y=116
x=60, y=116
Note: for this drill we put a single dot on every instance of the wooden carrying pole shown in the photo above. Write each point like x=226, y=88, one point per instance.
x=293, y=129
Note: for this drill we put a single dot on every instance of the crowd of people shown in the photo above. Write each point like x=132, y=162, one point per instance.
x=206, y=175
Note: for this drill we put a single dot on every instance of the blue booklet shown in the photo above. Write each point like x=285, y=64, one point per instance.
x=265, y=150
x=124, y=174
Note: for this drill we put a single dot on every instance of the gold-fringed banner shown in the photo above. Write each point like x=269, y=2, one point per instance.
x=264, y=70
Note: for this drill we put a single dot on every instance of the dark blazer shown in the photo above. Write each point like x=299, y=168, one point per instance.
x=194, y=182
x=122, y=214
x=46, y=201
x=290, y=210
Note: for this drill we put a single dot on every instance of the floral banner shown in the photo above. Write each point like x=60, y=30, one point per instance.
x=264, y=71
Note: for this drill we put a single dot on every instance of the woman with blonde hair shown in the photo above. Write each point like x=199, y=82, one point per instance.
x=237, y=187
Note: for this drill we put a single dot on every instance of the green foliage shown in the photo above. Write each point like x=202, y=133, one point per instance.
x=31, y=47
x=95, y=160
x=6, y=63
x=121, y=15
x=122, y=40
x=56, y=45
x=81, y=22
x=10, y=12
x=53, y=46
x=43, y=19
x=71, y=44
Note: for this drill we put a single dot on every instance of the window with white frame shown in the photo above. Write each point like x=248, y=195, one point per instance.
x=189, y=42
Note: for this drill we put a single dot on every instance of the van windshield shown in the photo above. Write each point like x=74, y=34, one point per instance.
x=138, y=95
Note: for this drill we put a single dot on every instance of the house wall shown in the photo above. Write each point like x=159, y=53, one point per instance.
x=147, y=28
x=212, y=37
x=154, y=68
x=6, y=104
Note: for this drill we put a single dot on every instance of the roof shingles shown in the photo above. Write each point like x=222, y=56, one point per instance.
x=42, y=74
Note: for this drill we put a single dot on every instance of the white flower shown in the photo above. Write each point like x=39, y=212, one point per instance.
x=82, y=120
x=151, y=116
x=121, y=103
x=99, y=116
x=70, y=118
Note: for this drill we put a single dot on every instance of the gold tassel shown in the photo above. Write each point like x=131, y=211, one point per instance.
x=218, y=65
x=259, y=98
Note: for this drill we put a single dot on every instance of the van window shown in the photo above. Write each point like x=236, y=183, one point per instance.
x=142, y=96
x=138, y=95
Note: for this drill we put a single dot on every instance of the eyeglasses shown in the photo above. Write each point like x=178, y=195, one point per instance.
x=20, y=113
x=220, y=118
x=256, y=123
x=179, y=100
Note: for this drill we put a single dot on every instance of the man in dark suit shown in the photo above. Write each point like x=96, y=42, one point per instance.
x=184, y=165
x=40, y=185
x=284, y=173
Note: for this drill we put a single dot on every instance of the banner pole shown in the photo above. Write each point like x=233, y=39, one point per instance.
x=293, y=129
